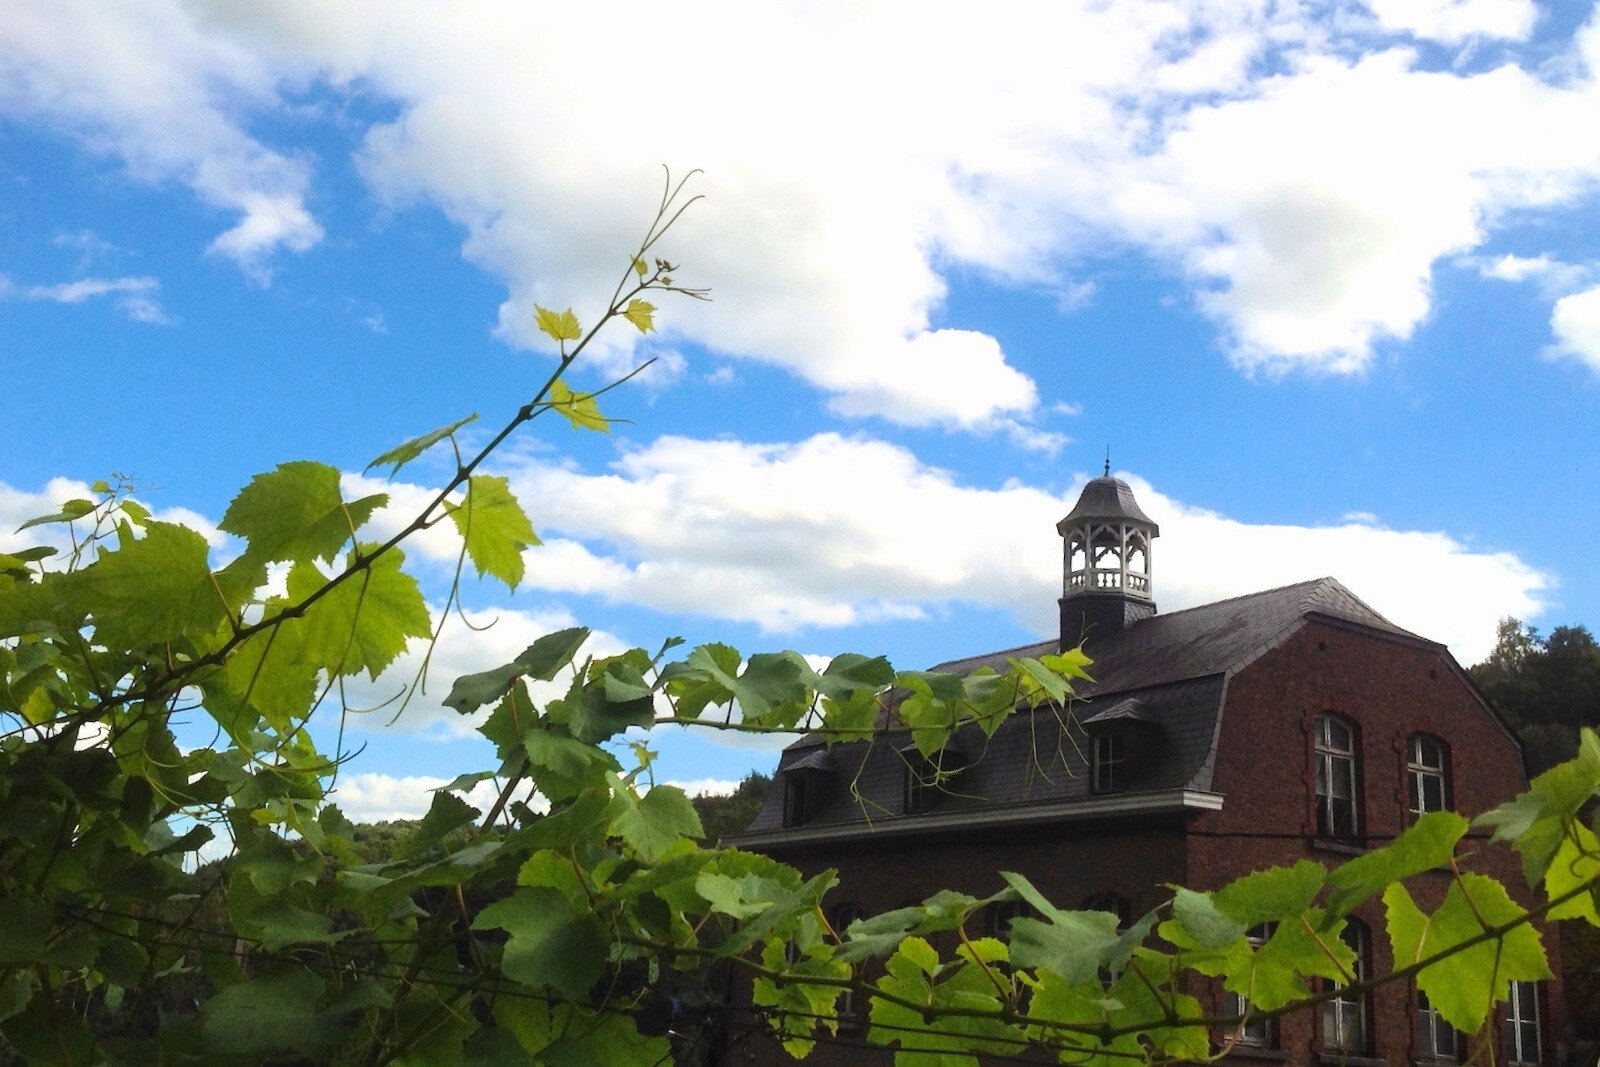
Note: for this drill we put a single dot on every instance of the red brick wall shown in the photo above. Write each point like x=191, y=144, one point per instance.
x=1388, y=690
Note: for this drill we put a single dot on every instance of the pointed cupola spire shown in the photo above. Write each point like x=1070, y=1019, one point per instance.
x=1106, y=580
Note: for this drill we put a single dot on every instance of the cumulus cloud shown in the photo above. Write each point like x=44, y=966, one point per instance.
x=157, y=88
x=1455, y=21
x=134, y=297
x=1305, y=174
x=377, y=797
x=1575, y=322
x=833, y=531
x=17, y=506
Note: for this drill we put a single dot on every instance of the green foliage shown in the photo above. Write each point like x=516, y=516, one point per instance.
x=494, y=528
x=1547, y=687
x=550, y=926
x=724, y=816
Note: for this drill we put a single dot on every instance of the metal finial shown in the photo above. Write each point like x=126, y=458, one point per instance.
x=1108, y=461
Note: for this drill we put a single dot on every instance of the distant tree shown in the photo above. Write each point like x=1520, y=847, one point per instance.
x=377, y=842
x=1547, y=688
x=723, y=816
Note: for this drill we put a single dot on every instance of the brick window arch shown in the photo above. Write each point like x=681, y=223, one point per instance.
x=1427, y=774
x=1338, y=777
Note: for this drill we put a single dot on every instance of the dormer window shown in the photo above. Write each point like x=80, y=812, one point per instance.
x=1110, y=756
x=927, y=776
x=1124, y=739
x=807, y=786
x=794, y=800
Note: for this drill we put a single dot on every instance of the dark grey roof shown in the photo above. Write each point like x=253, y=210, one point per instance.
x=1106, y=498
x=1035, y=758
x=1129, y=709
x=1209, y=639
x=1169, y=670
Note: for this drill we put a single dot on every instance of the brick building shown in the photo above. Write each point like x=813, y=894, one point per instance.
x=1295, y=722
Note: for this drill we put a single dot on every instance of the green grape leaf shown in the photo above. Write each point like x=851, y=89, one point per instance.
x=402, y=454
x=546, y=656
x=1465, y=985
x=1073, y=944
x=656, y=821
x=642, y=314
x=740, y=897
x=559, y=325
x=540, y=660
x=640, y=267
x=295, y=512
x=1576, y=863
x=1200, y=917
x=579, y=409
x=276, y=1013
x=592, y=718
x=269, y=671
x=549, y=946
x=364, y=623
x=1428, y=843
x=152, y=589
x=1271, y=895
x=495, y=528
x=447, y=813
x=1535, y=822
x=70, y=511
x=1045, y=682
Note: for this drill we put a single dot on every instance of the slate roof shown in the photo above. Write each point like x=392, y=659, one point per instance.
x=1168, y=670
x=1106, y=498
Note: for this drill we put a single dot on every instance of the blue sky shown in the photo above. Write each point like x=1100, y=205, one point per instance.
x=1324, y=278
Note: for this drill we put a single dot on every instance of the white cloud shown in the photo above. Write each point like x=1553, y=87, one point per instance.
x=833, y=531
x=163, y=91
x=17, y=506
x=376, y=797
x=134, y=297
x=1307, y=206
x=1575, y=321
x=1552, y=275
x=1455, y=21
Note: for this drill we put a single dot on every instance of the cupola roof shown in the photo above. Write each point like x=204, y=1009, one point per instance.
x=1106, y=498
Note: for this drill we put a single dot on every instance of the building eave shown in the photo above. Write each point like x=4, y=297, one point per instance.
x=1079, y=810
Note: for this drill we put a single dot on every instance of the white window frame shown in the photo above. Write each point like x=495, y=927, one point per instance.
x=1258, y=1031
x=1345, y=1024
x=1424, y=768
x=1337, y=764
x=1437, y=1040
x=1109, y=757
x=1524, y=1039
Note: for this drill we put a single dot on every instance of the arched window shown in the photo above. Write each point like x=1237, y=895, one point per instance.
x=1337, y=778
x=1344, y=1015
x=1427, y=774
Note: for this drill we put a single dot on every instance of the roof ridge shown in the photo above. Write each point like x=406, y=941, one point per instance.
x=1258, y=593
x=996, y=652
